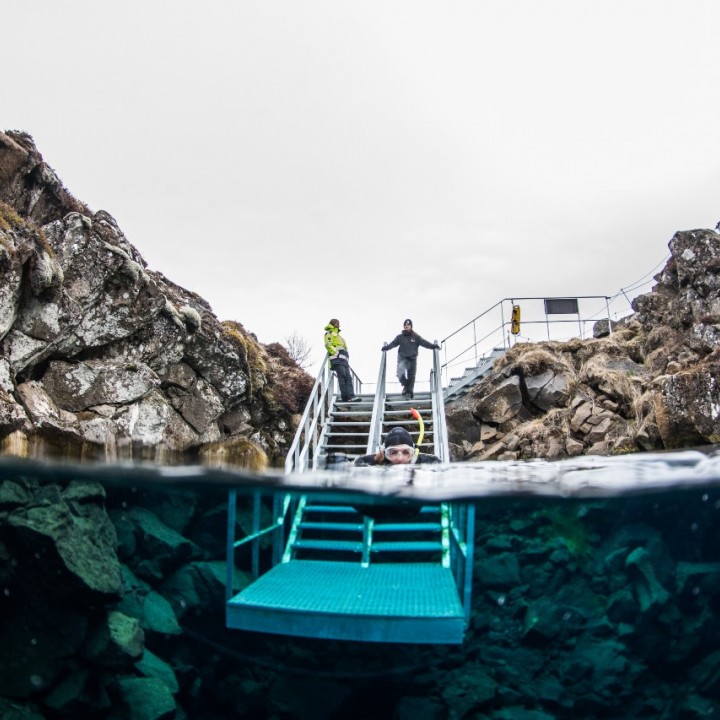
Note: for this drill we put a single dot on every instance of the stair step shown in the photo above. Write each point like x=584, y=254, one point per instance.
x=401, y=423
x=349, y=424
x=346, y=413
x=338, y=509
x=332, y=545
x=407, y=527
x=407, y=546
x=405, y=412
x=346, y=434
x=338, y=526
x=338, y=446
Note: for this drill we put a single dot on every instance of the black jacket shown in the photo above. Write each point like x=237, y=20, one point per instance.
x=409, y=344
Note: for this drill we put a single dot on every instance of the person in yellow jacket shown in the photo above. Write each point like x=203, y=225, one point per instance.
x=339, y=360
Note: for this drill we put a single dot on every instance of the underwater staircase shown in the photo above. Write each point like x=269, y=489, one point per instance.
x=361, y=568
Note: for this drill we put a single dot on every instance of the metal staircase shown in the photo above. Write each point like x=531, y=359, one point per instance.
x=345, y=436
x=459, y=386
x=361, y=568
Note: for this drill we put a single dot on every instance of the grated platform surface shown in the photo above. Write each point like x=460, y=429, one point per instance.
x=394, y=602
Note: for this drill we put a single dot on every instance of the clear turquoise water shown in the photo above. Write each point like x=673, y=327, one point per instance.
x=596, y=594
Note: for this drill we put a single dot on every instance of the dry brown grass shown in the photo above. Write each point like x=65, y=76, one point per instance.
x=9, y=219
x=250, y=353
x=618, y=385
x=531, y=359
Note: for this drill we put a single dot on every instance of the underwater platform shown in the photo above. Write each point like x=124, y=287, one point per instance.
x=387, y=602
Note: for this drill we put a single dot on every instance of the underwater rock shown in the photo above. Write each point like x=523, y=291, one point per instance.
x=144, y=698
x=150, y=665
x=649, y=592
x=116, y=642
x=307, y=698
x=150, y=547
x=469, y=688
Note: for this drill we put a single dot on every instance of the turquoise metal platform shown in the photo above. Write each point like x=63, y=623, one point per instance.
x=359, y=569
x=396, y=603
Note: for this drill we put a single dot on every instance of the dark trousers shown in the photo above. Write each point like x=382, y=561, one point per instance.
x=344, y=376
x=406, y=368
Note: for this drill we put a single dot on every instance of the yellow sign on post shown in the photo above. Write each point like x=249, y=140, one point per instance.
x=515, y=320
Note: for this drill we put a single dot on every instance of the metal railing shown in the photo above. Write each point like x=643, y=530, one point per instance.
x=304, y=451
x=376, y=419
x=492, y=329
x=462, y=550
x=283, y=509
x=440, y=437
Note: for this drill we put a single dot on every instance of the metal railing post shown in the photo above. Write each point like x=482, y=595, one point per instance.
x=255, y=567
x=230, y=546
x=375, y=429
x=502, y=325
x=475, y=342
x=607, y=308
x=469, y=555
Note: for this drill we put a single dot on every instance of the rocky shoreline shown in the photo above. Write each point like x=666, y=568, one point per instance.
x=653, y=384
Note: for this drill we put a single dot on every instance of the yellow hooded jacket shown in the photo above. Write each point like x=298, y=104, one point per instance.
x=335, y=344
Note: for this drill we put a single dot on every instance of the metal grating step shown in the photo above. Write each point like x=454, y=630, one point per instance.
x=345, y=434
x=339, y=527
x=339, y=509
x=349, y=423
x=406, y=527
x=406, y=546
x=346, y=414
x=331, y=545
x=338, y=446
x=405, y=603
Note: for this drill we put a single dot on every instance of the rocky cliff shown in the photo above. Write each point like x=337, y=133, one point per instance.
x=651, y=384
x=102, y=356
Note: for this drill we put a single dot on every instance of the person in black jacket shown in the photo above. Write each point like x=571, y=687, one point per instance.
x=398, y=449
x=408, y=343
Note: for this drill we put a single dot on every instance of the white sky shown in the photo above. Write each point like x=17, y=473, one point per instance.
x=294, y=161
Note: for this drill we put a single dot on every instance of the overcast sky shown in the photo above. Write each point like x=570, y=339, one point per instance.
x=294, y=161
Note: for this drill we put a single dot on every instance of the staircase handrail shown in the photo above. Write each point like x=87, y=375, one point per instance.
x=476, y=318
x=505, y=340
x=375, y=429
x=440, y=439
x=308, y=435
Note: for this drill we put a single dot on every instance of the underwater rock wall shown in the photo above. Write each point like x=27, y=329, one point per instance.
x=112, y=605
